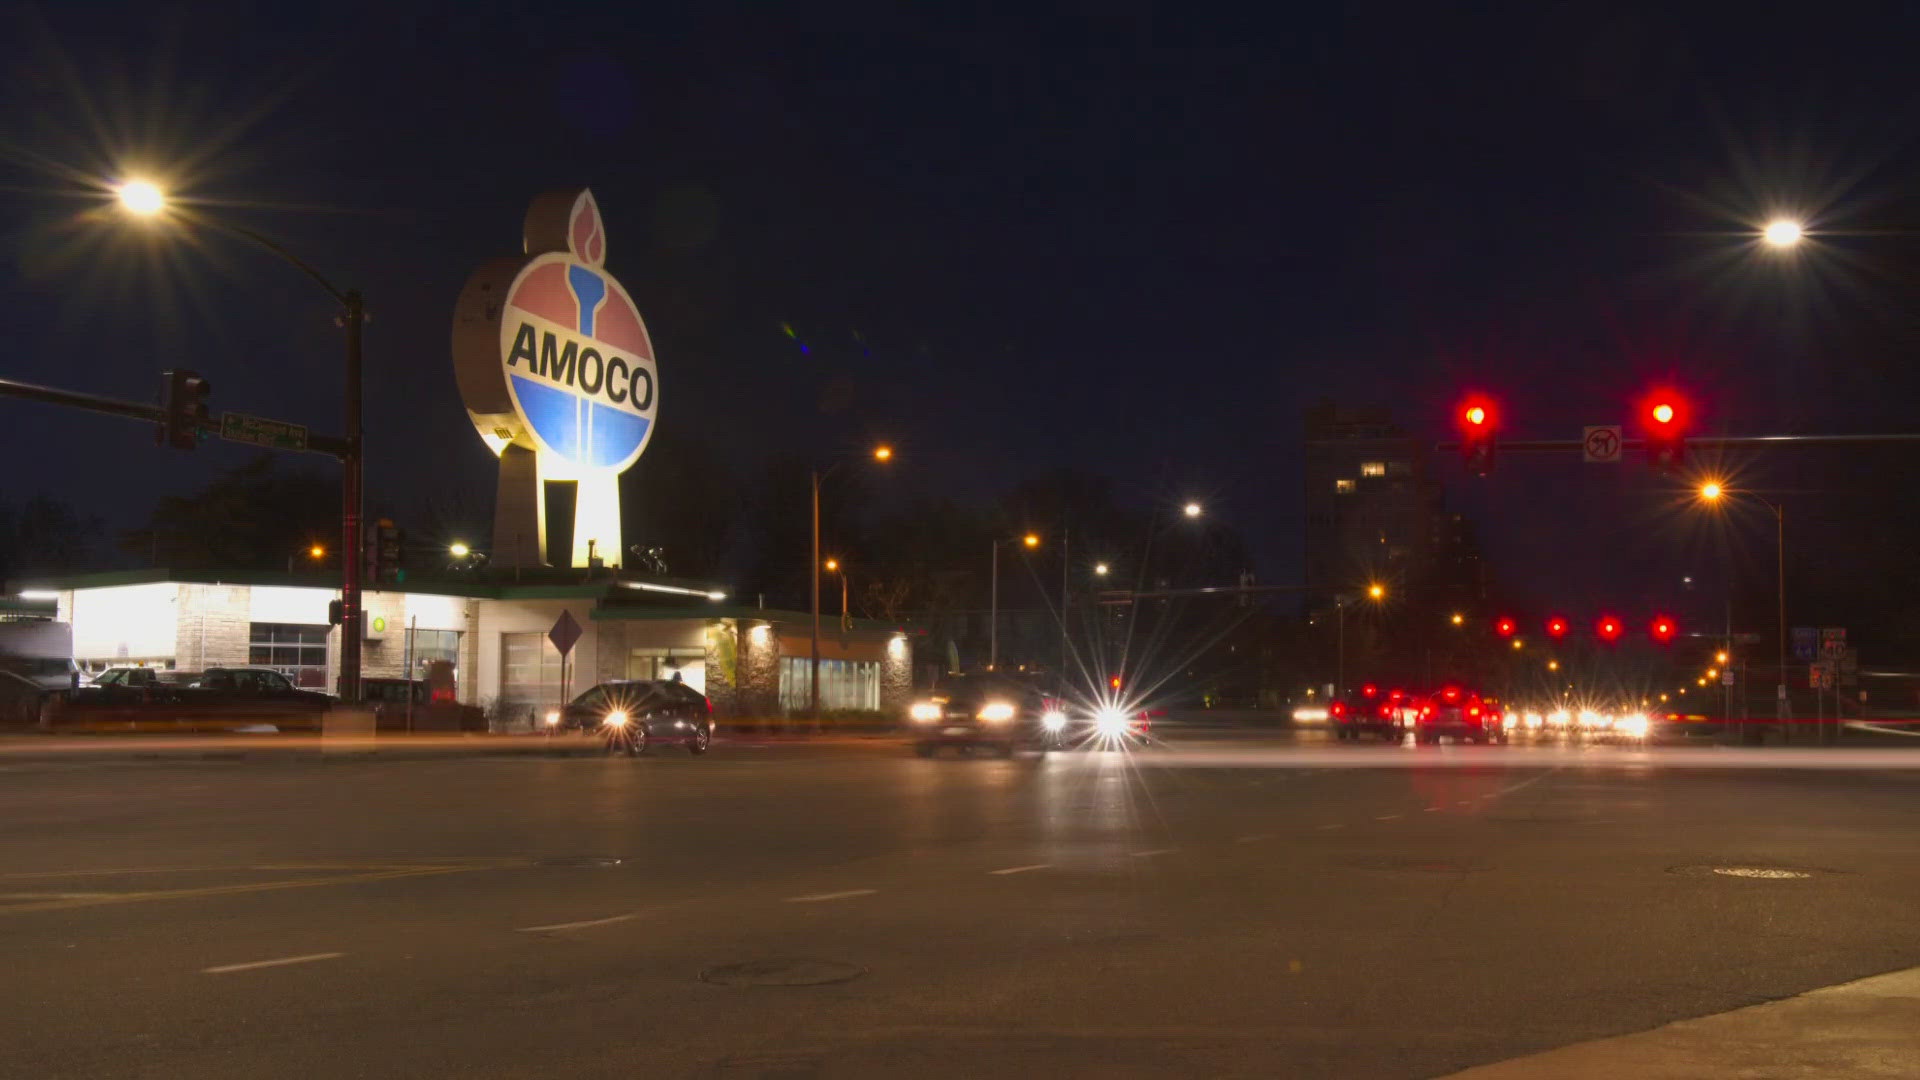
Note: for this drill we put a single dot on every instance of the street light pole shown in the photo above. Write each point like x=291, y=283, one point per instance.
x=1340, y=653
x=351, y=554
x=813, y=580
x=993, y=611
x=1780, y=591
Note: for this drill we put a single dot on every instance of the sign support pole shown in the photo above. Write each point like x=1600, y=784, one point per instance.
x=350, y=547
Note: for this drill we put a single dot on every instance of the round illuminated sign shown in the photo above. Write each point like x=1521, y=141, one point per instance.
x=379, y=624
x=550, y=351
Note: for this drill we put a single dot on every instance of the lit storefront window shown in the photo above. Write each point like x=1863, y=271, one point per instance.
x=844, y=684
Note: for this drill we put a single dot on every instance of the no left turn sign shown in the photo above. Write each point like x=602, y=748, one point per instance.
x=1601, y=443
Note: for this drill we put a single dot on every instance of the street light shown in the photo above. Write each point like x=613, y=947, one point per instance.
x=882, y=454
x=833, y=567
x=1100, y=569
x=1030, y=541
x=143, y=198
x=1375, y=592
x=316, y=553
x=459, y=550
x=1192, y=509
x=1553, y=665
x=1459, y=619
x=1711, y=492
x=1783, y=233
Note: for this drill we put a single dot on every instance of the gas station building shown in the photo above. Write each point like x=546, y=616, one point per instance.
x=750, y=662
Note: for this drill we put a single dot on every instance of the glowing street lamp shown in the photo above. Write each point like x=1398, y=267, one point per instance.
x=833, y=567
x=459, y=549
x=1100, y=569
x=1712, y=492
x=316, y=553
x=1192, y=510
x=1030, y=541
x=1376, y=591
x=1783, y=233
x=1458, y=619
x=141, y=197
x=883, y=454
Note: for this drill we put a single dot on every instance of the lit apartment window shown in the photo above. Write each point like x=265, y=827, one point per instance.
x=1373, y=468
x=1343, y=487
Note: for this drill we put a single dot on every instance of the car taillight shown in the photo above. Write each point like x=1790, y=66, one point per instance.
x=1473, y=710
x=1339, y=709
x=1386, y=711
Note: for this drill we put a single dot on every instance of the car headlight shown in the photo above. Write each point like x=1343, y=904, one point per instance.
x=1634, y=726
x=616, y=718
x=1053, y=720
x=1110, y=722
x=924, y=712
x=997, y=712
x=553, y=717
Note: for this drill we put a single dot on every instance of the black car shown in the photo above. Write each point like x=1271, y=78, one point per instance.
x=635, y=714
x=969, y=712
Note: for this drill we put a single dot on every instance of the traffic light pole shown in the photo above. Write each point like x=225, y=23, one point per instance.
x=354, y=316
x=142, y=410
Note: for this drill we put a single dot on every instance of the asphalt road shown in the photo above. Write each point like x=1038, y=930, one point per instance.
x=1220, y=906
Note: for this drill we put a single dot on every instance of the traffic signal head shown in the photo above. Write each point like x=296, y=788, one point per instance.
x=1477, y=423
x=1556, y=627
x=1608, y=628
x=184, y=401
x=1663, y=629
x=1665, y=415
x=1504, y=626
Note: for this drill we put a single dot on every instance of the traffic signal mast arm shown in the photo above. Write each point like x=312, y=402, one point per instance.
x=1730, y=442
x=136, y=410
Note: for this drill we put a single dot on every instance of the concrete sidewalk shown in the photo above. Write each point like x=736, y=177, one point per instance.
x=1864, y=1029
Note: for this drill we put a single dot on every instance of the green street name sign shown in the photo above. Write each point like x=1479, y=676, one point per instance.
x=260, y=431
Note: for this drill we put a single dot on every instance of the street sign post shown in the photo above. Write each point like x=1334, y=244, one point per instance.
x=260, y=431
x=1601, y=444
x=1806, y=642
x=1833, y=641
x=564, y=635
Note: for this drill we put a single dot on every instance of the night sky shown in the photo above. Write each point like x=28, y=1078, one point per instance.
x=1121, y=237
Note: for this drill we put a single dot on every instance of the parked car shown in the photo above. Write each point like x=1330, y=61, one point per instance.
x=389, y=700
x=218, y=698
x=635, y=714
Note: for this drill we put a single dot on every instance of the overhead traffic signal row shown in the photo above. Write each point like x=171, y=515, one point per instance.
x=1664, y=416
x=1607, y=628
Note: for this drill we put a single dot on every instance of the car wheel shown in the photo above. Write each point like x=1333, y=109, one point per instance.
x=702, y=740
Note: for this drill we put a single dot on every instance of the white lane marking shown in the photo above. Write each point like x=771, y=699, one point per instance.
x=1335, y=825
x=1432, y=809
x=228, y=969
x=1021, y=869
x=1251, y=839
x=1466, y=802
x=1387, y=817
x=845, y=894
x=581, y=925
x=1151, y=852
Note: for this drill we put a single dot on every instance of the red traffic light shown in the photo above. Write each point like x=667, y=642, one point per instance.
x=1608, y=628
x=1477, y=420
x=1503, y=626
x=1663, y=629
x=1556, y=627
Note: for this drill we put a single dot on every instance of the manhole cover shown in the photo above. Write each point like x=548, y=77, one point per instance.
x=1408, y=865
x=788, y=972
x=577, y=860
x=1757, y=873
